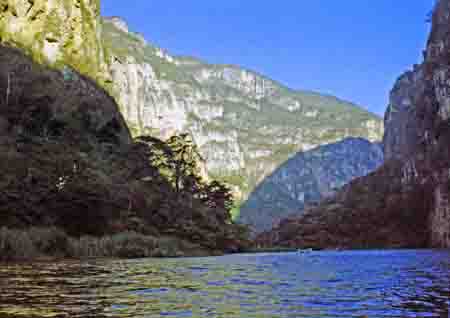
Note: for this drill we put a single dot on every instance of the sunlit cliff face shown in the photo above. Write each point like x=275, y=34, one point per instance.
x=58, y=32
x=245, y=124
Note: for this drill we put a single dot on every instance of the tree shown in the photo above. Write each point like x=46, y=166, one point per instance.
x=185, y=159
x=218, y=196
x=159, y=155
x=177, y=159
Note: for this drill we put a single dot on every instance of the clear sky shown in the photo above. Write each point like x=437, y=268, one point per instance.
x=353, y=49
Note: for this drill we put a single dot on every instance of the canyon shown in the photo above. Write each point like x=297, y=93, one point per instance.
x=405, y=203
x=245, y=124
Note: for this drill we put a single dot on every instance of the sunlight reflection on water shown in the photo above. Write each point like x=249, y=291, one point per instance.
x=320, y=284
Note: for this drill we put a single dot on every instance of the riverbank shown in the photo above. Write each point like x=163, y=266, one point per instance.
x=48, y=244
x=36, y=244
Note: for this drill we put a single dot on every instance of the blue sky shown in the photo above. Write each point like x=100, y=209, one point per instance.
x=353, y=49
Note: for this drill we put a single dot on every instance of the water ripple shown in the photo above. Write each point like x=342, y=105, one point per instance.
x=329, y=284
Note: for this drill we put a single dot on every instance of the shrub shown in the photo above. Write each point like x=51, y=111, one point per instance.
x=33, y=243
x=52, y=242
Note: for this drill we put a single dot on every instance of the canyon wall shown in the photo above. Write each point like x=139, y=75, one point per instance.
x=417, y=122
x=405, y=203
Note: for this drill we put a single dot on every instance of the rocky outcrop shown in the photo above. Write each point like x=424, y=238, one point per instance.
x=402, y=133
x=59, y=33
x=417, y=123
x=245, y=124
x=306, y=179
x=404, y=203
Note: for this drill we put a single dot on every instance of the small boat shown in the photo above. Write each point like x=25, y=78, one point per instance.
x=305, y=251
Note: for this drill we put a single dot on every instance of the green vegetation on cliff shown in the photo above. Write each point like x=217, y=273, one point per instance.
x=62, y=33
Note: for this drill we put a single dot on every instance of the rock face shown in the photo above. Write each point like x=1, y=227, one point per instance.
x=59, y=33
x=405, y=203
x=417, y=123
x=245, y=124
x=308, y=178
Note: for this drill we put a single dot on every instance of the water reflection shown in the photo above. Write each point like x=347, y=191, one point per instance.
x=341, y=284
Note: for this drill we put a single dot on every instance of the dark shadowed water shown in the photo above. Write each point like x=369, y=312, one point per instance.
x=320, y=284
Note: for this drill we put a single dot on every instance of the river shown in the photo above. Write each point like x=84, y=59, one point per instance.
x=408, y=283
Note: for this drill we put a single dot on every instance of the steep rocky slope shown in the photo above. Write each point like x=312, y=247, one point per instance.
x=406, y=201
x=245, y=124
x=67, y=160
x=307, y=178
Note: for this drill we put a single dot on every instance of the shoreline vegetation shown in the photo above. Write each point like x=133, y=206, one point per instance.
x=39, y=244
x=36, y=244
x=51, y=243
x=42, y=244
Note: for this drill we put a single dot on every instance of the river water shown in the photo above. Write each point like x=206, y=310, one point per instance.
x=320, y=284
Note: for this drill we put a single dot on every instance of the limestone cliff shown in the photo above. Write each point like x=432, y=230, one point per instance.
x=245, y=124
x=406, y=202
x=417, y=123
x=307, y=178
x=59, y=33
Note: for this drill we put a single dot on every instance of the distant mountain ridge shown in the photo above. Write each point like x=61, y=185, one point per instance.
x=244, y=123
x=307, y=178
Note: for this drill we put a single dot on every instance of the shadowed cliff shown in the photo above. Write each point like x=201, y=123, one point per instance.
x=67, y=161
